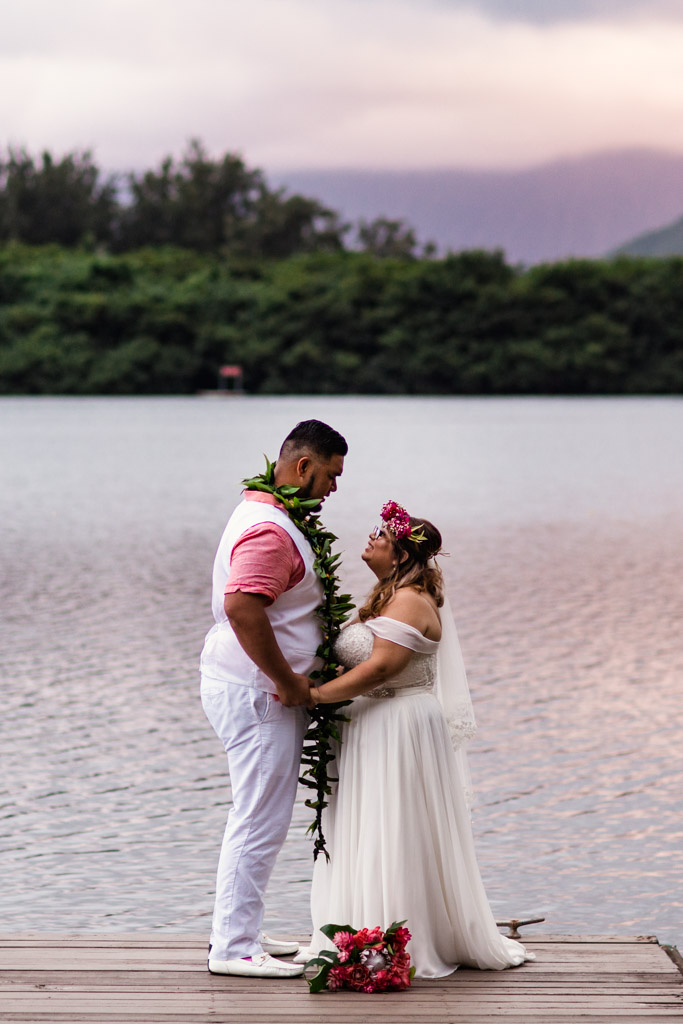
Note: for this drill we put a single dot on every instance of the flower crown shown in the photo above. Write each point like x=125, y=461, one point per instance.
x=398, y=521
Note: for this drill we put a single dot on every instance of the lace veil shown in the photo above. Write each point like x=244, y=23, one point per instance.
x=453, y=693
x=451, y=687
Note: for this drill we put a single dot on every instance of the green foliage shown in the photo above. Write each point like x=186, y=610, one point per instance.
x=199, y=203
x=60, y=201
x=196, y=203
x=163, y=319
x=387, y=238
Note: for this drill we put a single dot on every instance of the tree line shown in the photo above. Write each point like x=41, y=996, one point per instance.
x=197, y=202
x=163, y=319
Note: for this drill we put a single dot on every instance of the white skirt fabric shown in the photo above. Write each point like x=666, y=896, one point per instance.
x=400, y=841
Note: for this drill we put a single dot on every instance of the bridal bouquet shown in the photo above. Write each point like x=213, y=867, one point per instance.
x=366, y=960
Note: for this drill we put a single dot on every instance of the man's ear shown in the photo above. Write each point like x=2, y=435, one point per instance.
x=303, y=465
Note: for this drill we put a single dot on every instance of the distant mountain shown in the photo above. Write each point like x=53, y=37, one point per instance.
x=666, y=241
x=575, y=207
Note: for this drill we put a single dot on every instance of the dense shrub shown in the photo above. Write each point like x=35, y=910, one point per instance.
x=162, y=320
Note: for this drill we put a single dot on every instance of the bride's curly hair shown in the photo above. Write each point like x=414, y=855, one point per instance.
x=411, y=571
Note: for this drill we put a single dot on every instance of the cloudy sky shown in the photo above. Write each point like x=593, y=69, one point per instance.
x=342, y=83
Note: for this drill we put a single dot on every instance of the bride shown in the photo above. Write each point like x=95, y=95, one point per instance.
x=398, y=827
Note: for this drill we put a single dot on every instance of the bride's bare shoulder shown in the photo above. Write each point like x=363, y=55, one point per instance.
x=415, y=609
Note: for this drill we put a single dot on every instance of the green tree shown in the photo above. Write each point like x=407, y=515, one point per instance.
x=387, y=239
x=213, y=205
x=63, y=201
x=197, y=203
x=284, y=225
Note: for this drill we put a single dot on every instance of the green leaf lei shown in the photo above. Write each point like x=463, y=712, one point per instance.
x=325, y=718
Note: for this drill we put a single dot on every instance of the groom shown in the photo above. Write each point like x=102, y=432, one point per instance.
x=255, y=686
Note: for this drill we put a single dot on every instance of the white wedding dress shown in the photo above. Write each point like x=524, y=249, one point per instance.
x=398, y=826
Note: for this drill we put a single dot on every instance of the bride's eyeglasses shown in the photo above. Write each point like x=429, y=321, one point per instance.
x=377, y=532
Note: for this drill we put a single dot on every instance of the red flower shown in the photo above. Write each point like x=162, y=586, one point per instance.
x=399, y=977
x=401, y=938
x=336, y=978
x=381, y=980
x=357, y=977
x=391, y=508
x=401, y=961
x=400, y=981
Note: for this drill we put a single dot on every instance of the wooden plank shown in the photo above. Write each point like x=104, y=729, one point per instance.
x=426, y=997
x=603, y=940
x=155, y=981
x=459, y=1015
x=449, y=1018
x=639, y=953
x=315, y=1011
x=160, y=938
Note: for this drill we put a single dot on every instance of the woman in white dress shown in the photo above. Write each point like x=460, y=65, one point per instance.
x=398, y=827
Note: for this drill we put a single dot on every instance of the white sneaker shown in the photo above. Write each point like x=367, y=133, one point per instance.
x=262, y=966
x=278, y=947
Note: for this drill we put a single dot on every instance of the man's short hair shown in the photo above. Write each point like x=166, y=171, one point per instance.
x=312, y=437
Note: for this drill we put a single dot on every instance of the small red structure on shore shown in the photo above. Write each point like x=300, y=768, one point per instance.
x=230, y=378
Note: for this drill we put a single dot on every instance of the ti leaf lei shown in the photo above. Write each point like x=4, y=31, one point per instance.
x=333, y=612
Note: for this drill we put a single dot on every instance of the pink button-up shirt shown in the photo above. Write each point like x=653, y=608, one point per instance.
x=265, y=559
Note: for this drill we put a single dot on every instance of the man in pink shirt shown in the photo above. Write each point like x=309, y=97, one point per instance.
x=255, y=687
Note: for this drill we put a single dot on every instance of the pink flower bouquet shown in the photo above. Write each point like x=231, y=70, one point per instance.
x=365, y=960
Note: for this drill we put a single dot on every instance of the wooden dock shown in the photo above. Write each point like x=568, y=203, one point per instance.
x=162, y=979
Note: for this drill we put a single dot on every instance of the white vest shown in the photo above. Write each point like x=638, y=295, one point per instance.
x=293, y=616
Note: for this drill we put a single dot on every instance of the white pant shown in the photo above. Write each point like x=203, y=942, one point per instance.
x=263, y=740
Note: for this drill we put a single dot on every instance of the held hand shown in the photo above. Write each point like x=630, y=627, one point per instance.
x=296, y=693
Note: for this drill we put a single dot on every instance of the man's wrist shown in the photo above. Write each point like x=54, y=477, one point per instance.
x=289, y=685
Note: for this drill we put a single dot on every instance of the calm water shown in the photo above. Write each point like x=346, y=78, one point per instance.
x=564, y=519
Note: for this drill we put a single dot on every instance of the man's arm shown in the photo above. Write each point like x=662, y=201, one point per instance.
x=247, y=616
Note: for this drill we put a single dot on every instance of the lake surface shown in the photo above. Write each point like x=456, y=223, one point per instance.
x=564, y=520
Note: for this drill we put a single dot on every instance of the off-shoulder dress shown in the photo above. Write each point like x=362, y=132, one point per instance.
x=398, y=827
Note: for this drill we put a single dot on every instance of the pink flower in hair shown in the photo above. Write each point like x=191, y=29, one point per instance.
x=396, y=518
x=398, y=521
x=390, y=509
